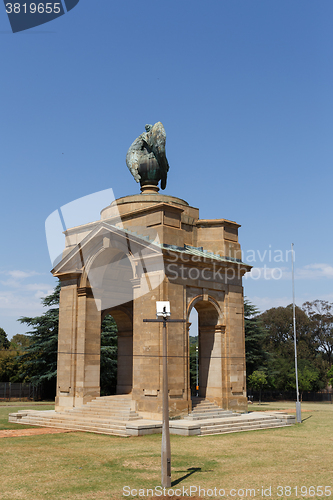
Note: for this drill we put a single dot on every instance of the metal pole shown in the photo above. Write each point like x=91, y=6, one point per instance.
x=166, y=449
x=298, y=404
x=197, y=386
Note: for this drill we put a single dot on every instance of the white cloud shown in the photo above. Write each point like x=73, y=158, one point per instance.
x=314, y=271
x=14, y=304
x=264, y=303
x=22, y=274
x=21, y=294
x=267, y=273
x=308, y=272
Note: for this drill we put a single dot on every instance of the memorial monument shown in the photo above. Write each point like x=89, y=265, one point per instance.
x=150, y=248
x=146, y=248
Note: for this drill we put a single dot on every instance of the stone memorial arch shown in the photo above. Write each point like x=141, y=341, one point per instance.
x=146, y=248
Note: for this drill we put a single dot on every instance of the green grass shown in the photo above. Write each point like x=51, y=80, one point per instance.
x=13, y=407
x=82, y=466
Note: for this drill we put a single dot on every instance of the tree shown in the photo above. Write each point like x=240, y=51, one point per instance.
x=109, y=346
x=10, y=365
x=4, y=342
x=39, y=359
x=257, y=380
x=278, y=322
x=330, y=376
x=308, y=377
x=320, y=313
x=20, y=341
x=193, y=363
x=255, y=336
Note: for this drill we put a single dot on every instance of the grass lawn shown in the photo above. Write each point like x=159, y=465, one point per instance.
x=89, y=466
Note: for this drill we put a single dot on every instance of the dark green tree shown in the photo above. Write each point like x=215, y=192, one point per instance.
x=193, y=363
x=255, y=337
x=278, y=322
x=330, y=376
x=312, y=370
x=4, y=342
x=320, y=313
x=109, y=345
x=39, y=359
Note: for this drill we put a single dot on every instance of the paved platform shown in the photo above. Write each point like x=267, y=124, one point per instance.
x=140, y=427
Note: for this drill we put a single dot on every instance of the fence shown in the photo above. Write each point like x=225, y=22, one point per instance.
x=291, y=396
x=17, y=391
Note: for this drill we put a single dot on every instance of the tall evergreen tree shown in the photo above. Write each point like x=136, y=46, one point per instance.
x=193, y=363
x=39, y=360
x=40, y=356
x=109, y=346
x=4, y=342
x=255, y=337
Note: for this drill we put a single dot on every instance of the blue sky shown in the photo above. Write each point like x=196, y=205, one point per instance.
x=244, y=90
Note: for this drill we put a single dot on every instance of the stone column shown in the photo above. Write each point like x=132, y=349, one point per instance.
x=210, y=362
x=66, y=346
x=79, y=341
x=88, y=350
x=125, y=362
x=235, y=350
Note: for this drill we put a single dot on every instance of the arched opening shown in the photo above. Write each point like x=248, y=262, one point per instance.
x=110, y=276
x=210, y=357
x=194, y=352
x=122, y=318
x=109, y=356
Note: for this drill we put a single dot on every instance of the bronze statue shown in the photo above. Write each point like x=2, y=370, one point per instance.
x=146, y=157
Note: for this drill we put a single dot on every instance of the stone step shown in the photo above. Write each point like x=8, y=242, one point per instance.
x=64, y=422
x=73, y=424
x=84, y=428
x=68, y=418
x=201, y=408
x=207, y=409
x=106, y=415
x=240, y=422
x=211, y=431
x=116, y=404
x=56, y=416
x=203, y=403
x=204, y=409
x=60, y=421
x=243, y=425
x=97, y=411
x=209, y=415
x=98, y=416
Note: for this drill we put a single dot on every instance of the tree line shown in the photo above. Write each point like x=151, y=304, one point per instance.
x=269, y=345
x=32, y=357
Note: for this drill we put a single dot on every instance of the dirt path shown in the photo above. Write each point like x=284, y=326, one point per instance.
x=30, y=432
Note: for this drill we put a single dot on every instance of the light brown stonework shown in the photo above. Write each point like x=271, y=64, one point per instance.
x=209, y=282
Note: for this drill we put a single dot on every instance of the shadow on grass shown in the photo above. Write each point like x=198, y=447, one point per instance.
x=307, y=418
x=192, y=471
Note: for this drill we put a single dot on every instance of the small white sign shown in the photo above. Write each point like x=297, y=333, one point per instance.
x=163, y=308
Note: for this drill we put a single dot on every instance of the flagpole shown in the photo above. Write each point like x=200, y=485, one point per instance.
x=298, y=404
